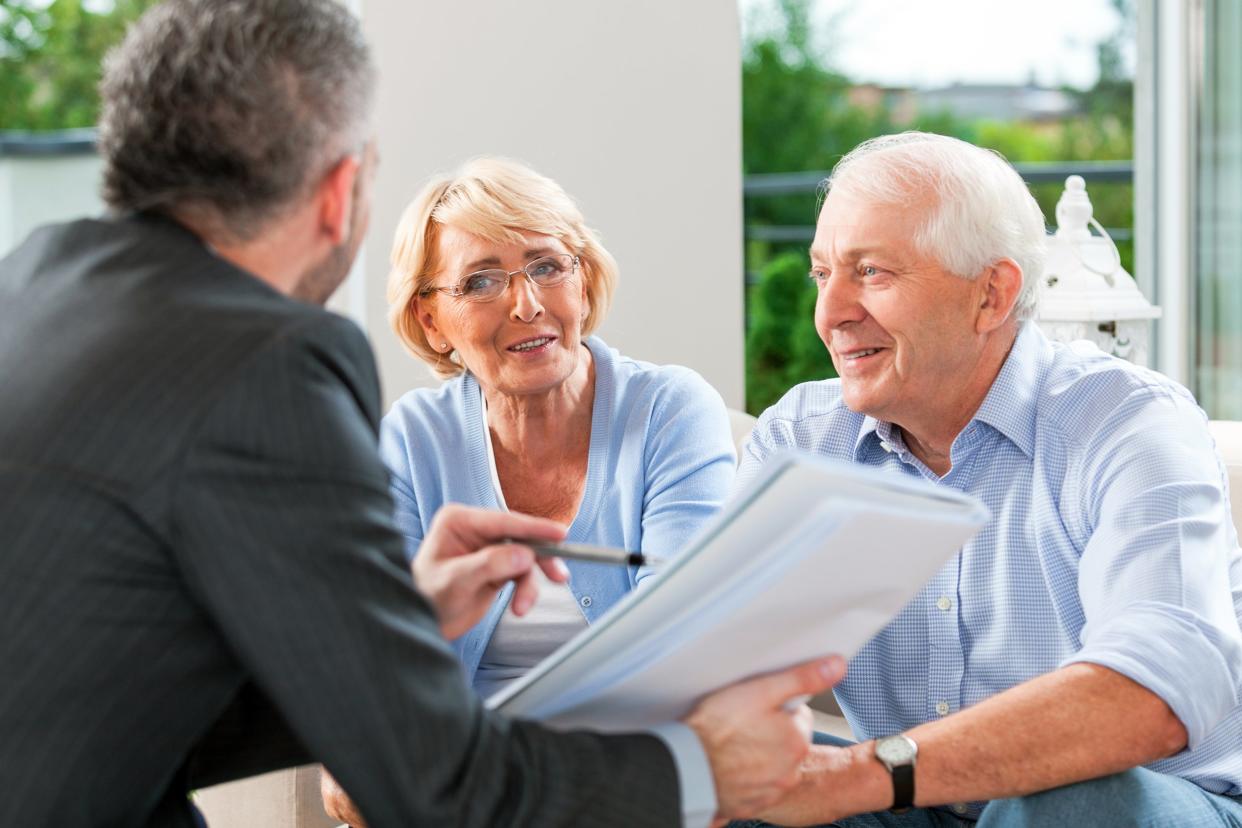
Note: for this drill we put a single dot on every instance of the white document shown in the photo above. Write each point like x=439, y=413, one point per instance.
x=814, y=558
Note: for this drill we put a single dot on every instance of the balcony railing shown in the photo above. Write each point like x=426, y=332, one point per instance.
x=46, y=144
x=767, y=185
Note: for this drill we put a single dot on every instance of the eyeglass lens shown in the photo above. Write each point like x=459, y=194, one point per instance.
x=547, y=271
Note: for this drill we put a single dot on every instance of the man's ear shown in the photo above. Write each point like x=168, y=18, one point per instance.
x=1000, y=286
x=336, y=198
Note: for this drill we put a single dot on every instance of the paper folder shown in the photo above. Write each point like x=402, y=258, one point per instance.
x=813, y=557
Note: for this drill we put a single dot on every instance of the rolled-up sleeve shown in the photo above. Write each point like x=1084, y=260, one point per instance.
x=1154, y=576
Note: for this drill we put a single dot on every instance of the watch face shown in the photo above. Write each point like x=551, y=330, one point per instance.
x=895, y=750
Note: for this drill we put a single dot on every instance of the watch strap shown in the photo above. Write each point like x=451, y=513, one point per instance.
x=903, y=787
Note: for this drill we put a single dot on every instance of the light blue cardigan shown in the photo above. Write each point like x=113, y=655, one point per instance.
x=660, y=465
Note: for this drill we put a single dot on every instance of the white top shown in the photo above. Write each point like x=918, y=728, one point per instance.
x=520, y=643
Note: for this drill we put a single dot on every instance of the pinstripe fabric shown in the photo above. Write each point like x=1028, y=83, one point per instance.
x=199, y=574
x=1110, y=542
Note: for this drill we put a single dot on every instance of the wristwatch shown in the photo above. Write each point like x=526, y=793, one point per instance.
x=898, y=754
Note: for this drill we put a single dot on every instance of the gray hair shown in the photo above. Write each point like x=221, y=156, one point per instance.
x=229, y=110
x=981, y=211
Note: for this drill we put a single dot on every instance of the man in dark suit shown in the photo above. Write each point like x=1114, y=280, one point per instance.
x=199, y=574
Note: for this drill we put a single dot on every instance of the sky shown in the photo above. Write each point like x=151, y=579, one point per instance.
x=931, y=43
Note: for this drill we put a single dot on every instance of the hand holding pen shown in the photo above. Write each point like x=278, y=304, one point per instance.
x=466, y=559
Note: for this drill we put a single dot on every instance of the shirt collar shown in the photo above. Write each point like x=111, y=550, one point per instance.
x=1009, y=406
x=869, y=426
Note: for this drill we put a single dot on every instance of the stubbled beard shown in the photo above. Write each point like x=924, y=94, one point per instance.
x=319, y=282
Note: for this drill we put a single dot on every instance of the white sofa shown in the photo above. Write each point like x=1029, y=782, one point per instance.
x=284, y=799
x=290, y=798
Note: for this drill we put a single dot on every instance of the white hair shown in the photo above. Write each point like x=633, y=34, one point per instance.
x=981, y=210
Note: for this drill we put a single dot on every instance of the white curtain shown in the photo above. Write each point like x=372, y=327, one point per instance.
x=1218, y=217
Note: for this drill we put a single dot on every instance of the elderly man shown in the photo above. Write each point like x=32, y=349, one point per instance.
x=1079, y=662
x=200, y=577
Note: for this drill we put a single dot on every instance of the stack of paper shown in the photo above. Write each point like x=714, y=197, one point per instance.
x=815, y=557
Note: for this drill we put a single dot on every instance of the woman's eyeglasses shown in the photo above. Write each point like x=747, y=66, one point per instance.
x=486, y=285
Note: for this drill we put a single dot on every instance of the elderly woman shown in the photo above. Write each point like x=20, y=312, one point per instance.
x=497, y=284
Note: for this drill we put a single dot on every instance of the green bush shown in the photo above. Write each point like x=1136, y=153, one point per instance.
x=51, y=58
x=782, y=347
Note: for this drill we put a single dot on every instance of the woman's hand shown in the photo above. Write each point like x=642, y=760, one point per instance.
x=465, y=560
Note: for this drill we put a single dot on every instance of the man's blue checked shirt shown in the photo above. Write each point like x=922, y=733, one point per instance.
x=1110, y=542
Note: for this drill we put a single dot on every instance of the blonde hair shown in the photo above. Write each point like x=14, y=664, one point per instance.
x=496, y=199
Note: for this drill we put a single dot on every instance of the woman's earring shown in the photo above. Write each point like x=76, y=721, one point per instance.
x=443, y=346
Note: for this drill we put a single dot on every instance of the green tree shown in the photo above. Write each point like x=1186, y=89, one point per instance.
x=782, y=347
x=51, y=55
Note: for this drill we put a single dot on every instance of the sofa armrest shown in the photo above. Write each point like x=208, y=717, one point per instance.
x=283, y=799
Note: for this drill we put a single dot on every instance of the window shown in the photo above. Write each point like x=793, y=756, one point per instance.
x=1217, y=233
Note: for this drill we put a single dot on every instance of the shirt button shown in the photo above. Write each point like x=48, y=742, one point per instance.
x=944, y=602
x=942, y=708
x=586, y=601
x=960, y=808
x=884, y=445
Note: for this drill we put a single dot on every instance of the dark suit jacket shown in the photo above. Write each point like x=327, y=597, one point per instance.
x=199, y=574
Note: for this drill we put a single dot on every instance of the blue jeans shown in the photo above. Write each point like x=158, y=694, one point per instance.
x=1137, y=798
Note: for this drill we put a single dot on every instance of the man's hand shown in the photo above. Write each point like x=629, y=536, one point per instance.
x=836, y=782
x=337, y=803
x=463, y=562
x=754, y=741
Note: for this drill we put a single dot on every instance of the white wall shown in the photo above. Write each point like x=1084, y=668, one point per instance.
x=649, y=94
x=39, y=190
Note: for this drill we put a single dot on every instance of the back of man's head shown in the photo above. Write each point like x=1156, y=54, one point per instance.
x=224, y=112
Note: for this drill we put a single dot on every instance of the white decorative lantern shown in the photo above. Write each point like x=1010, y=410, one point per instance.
x=1086, y=293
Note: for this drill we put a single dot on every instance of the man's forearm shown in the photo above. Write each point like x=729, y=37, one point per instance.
x=1080, y=722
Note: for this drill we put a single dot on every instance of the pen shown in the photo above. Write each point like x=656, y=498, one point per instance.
x=585, y=552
